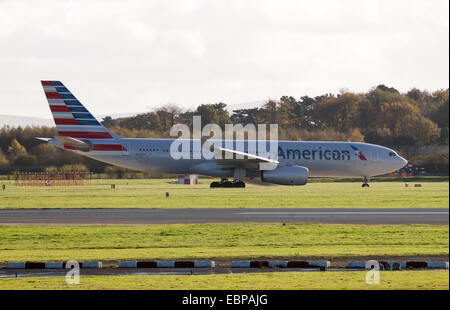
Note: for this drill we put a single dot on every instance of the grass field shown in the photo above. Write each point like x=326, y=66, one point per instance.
x=218, y=241
x=225, y=241
x=389, y=280
x=151, y=194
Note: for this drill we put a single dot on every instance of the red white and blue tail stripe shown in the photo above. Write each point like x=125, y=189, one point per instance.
x=73, y=120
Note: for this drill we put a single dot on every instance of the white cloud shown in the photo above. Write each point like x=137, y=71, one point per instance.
x=126, y=56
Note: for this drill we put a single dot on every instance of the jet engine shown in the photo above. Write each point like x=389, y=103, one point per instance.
x=286, y=175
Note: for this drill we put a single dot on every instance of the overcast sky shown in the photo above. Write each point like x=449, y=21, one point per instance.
x=133, y=56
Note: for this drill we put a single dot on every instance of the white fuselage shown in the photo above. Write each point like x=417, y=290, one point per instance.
x=291, y=162
x=323, y=159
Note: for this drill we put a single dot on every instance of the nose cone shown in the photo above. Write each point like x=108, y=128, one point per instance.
x=402, y=162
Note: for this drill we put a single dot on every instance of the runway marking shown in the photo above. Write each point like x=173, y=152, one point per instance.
x=343, y=213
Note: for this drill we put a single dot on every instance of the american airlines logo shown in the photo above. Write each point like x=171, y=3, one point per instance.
x=358, y=152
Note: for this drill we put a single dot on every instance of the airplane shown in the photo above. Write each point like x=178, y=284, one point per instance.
x=80, y=132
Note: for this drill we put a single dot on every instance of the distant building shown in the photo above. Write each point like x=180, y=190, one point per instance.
x=188, y=179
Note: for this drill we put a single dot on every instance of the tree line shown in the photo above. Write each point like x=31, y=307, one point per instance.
x=382, y=115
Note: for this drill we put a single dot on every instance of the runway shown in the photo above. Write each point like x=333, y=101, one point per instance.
x=434, y=216
x=21, y=273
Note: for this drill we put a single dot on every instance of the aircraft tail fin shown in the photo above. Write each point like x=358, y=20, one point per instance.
x=72, y=119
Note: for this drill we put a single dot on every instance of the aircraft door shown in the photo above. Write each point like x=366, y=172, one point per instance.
x=125, y=148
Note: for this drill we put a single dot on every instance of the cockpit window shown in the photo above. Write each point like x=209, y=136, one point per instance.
x=392, y=154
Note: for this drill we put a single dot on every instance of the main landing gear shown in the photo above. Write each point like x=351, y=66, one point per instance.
x=226, y=183
x=365, y=184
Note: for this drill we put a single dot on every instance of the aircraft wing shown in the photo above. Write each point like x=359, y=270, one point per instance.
x=229, y=158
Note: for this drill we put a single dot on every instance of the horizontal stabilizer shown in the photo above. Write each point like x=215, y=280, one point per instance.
x=75, y=143
x=44, y=139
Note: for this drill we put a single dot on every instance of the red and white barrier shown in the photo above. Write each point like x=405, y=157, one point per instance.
x=188, y=179
x=167, y=264
x=280, y=264
x=49, y=265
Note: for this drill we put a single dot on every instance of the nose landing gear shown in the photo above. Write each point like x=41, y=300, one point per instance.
x=365, y=184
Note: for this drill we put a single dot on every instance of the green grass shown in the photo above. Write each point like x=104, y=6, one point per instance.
x=218, y=241
x=344, y=280
x=151, y=194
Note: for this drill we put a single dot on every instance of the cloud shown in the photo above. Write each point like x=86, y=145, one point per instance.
x=126, y=56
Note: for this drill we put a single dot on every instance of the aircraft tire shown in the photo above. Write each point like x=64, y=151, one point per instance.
x=214, y=185
x=239, y=184
x=227, y=184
